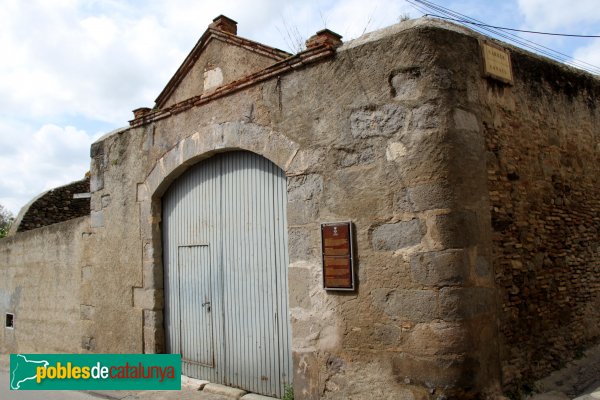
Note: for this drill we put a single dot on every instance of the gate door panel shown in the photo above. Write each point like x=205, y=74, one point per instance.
x=225, y=261
x=195, y=310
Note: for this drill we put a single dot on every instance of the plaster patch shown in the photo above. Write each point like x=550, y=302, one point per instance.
x=395, y=151
x=213, y=78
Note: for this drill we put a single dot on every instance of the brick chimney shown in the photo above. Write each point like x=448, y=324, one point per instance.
x=224, y=24
x=324, y=37
x=140, y=112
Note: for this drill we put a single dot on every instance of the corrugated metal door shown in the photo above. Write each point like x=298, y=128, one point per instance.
x=225, y=256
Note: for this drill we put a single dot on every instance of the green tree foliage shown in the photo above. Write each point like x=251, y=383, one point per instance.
x=6, y=218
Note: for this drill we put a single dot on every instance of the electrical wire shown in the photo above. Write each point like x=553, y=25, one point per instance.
x=426, y=7
x=516, y=30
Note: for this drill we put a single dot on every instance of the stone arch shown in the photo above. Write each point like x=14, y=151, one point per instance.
x=201, y=145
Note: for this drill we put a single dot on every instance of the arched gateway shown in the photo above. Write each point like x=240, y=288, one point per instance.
x=225, y=265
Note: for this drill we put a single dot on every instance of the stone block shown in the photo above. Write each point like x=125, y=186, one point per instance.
x=465, y=303
x=426, y=116
x=483, y=269
x=304, y=243
x=407, y=304
x=440, y=268
x=377, y=121
x=405, y=84
x=153, y=340
x=437, y=338
x=455, y=230
x=300, y=283
x=86, y=273
x=431, y=196
x=192, y=383
x=305, y=161
x=465, y=120
x=97, y=182
x=223, y=390
x=389, y=237
x=88, y=343
x=153, y=318
x=254, y=396
x=304, y=195
x=448, y=372
x=153, y=275
x=86, y=312
x=105, y=200
x=97, y=219
x=395, y=151
x=148, y=299
x=306, y=375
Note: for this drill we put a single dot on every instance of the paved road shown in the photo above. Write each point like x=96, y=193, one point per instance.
x=184, y=394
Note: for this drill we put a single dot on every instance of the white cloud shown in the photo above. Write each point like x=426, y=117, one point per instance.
x=589, y=53
x=549, y=15
x=43, y=159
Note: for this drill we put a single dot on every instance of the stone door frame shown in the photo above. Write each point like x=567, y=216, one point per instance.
x=189, y=151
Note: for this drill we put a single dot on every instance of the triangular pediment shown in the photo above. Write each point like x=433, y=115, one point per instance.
x=219, y=57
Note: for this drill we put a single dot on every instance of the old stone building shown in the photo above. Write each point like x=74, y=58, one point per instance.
x=473, y=200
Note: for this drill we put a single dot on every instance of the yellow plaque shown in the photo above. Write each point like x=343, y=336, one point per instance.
x=496, y=62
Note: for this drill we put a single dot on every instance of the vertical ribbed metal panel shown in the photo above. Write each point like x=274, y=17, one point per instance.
x=195, y=307
x=229, y=212
x=192, y=250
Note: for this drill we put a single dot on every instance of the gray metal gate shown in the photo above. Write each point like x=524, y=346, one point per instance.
x=225, y=262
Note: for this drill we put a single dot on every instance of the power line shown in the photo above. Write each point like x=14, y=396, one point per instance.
x=481, y=27
x=512, y=29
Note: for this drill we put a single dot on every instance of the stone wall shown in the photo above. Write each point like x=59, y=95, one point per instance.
x=41, y=276
x=372, y=139
x=55, y=205
x=390, y=131
x=543, y=161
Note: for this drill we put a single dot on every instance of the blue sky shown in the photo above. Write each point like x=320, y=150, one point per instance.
x=72, y=70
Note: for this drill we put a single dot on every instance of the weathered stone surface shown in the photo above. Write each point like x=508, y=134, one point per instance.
x=56, y=205
x=408, y=304
x=395, y=151
x=465, y=303
x=456, y=230
x=438, y=337
x=377, y=121
x=300, y=283
x=105, y=200
x=440, y=268
x=431, y=196
x=398, y=235
x=303, y=243
x=425, y=117
x=542, y=178
x=304, y=194
x=97, y=219
x=452, y=372
x=405, y=84
x=360, y=138
x=148, y=299
x=223, y=390
x=153, y=319
x=87, y=312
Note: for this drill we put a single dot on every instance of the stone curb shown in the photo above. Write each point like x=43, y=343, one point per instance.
x=223, y=390
x=254, y=396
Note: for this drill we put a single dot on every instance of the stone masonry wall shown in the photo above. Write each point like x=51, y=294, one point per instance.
x=41, y=277
x=57, y=205
x=390, y=142
x=543, y=143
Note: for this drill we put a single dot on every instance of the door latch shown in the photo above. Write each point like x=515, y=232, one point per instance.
x=207, y=304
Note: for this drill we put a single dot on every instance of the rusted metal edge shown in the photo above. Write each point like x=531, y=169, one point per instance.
x=294, y=62
x=229, y=38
